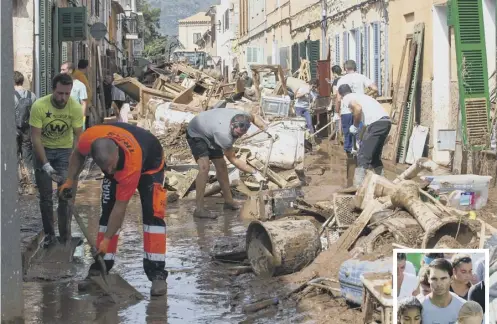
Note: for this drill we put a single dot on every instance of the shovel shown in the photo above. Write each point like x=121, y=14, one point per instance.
x=98, y=258
x=113, y=284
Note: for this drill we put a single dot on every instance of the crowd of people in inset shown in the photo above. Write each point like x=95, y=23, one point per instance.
x=441, y=288
x=116, y=103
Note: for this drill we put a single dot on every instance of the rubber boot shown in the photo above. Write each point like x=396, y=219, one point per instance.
x=350, y=167
x=359, y=175
x=379, y=171
x=87, y=284
x=159, y=287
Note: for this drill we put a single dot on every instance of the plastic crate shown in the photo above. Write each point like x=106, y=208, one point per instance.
x=350, y=274
x=275, y=106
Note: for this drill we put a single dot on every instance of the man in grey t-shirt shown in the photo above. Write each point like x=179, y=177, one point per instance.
x=211, y=135
x=440, y=306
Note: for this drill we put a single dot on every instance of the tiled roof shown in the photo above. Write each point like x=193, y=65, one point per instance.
x=198, y=17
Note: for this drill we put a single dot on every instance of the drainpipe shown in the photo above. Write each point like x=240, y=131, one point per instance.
x=37, y=72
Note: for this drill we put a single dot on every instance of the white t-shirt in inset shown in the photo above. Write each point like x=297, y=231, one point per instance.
x=357, y=82
x=372, y=110
x=447, y=315
x=409, y=285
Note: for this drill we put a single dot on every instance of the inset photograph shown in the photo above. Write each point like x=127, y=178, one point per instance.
x=440, y=286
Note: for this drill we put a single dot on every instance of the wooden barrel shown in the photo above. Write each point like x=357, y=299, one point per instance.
x=281, y=247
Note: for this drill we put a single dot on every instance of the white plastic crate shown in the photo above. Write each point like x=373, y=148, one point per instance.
x=275, y=106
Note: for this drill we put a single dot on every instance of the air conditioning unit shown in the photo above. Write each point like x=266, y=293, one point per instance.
x=232, y=6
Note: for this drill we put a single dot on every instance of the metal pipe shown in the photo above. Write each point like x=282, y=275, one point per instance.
x=324, y=24
x=37, y=72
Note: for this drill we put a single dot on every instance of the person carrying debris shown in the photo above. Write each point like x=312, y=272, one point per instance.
x=56, y=123
x=303, y=99
x=211, y=135
x=377, y=122
x=358, y=83
x=131, y=158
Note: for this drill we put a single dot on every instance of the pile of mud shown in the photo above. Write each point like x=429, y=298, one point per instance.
x=174, y=142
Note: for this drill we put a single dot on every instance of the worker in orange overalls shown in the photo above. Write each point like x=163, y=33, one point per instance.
x=131, y=158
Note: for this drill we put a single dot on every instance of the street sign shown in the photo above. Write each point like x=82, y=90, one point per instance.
x=98, y=31
x=138, y=47
x=131, y=36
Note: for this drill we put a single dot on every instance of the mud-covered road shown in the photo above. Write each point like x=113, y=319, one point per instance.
x=199, y=290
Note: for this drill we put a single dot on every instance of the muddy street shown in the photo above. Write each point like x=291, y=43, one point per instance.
x=199, y=290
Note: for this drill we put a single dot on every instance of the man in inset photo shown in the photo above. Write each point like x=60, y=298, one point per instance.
x=440, y=306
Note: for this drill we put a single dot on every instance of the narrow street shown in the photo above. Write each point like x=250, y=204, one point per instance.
x=199, y=290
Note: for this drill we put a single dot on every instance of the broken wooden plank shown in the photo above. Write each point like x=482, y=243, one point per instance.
x=352, y=233
x=273, y=176
x=185, y=184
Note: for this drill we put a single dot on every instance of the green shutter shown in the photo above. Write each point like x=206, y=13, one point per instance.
x=302, y=51
x=295, y=57
x=314, y=51
x=72, y=24
x=467, y=18
x=43, y=52
x=49, y=48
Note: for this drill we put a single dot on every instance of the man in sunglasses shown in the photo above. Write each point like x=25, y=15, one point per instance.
x=211, y=135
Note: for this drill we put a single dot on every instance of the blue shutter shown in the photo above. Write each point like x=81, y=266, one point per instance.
x=337, y=50
x=345, y=46
x=358, y=47
x=366, y=50
x=376, y=53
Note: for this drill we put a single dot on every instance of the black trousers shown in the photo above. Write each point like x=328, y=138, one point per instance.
x=153, y=198
x=369, y=155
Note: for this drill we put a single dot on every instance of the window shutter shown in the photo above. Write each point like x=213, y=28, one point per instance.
x=345, y=46
x=337, y=50
x=284, y=57
x=49, y=48
x=314, y=50
x=63, y=52
x=302, y=51
x=467, y=18
x=295, y=57
x=376, y=55
x=43, y=45
x=366, y=50
x=358, y=49
x=72, y=24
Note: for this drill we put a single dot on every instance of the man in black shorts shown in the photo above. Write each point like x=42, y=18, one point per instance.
x=211, y=135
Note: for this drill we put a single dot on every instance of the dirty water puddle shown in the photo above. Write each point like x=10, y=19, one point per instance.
x=200, y=290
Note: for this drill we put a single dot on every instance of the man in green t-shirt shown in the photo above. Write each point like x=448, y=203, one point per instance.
x=56, y=122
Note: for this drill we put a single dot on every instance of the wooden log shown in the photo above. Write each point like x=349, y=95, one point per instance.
x=407, y=196
x=281, y=247
x=373, y=186
x=420, y=165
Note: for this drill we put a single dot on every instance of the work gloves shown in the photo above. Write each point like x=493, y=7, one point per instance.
x=353, y=130
x=52, y=173
x=258, y=176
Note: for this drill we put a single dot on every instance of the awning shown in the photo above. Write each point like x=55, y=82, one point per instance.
x=117, y=6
